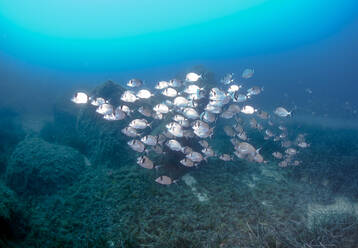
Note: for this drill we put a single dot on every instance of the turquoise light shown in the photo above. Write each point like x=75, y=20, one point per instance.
x=114, y=35
x=114, y=18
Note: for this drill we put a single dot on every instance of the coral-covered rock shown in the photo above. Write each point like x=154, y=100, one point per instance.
x=104, y=143
x=12, y=224
x=39, y=167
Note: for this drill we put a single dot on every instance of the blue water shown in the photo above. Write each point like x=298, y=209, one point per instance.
x=292, y=46
x=305, y=56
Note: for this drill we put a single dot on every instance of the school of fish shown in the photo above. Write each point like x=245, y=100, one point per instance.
x=190, y=112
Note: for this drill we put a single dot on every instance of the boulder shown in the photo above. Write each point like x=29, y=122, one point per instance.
x=12, y=223
x=39, y=167
x=104, y=143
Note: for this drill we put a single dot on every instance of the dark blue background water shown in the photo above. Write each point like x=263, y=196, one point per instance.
x=291, y=47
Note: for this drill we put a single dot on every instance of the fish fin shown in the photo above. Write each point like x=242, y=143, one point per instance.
x=232, y=95
x=258, y=150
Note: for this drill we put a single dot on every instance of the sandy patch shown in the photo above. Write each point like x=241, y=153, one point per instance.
x=191, y=182
x=340, y=206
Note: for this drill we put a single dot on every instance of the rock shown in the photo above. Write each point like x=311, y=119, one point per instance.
x=105, y=145
x=12, y=224
x=39, y=167
x=11, y=133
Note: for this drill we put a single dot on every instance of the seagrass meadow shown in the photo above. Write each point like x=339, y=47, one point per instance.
x=178, y=124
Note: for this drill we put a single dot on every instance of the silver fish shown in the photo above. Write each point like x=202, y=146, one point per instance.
x=98, y=101
x=144, y=94
x=245, y=148
x=191, y=113
x=110, y=117
x=180, y=101
x=198, y=124
x=195, y=157
x=145, y=111
x=130, y=132
x=226, y=157
x=208, y=152
x=269, y=133
x=247, y=73
x=170, y=92
x=175, y=129
x=192, y=89
x=235, y=108
x=125, y=109
x=80, y=98
x=105, y=109
x=242, y=135
x=192, y=77
x=237, y=97
x=233, y=88
x=129, y=96
x=149, y=140
x=253, y=123
x=176, y=83
x=254, y=91
x=145, y=162
x=262, y=114
x=162, y=85
x=238, y=128
x=161, y=108
x=227, y=79
x=135, y=83
x=157, y=116
x=213, y=109
x=258, y=158
x=283, y=163
x=234, y=141
x=208, y=117
x=291, y=151
x=196, y=96
x=119, y=114
x=204, y=143
x=136, y=145
x=277, y=155
x=303, y=144
x=227, y=114
x=249, y=110
x=204, y=133
x=139, y=123
x=187, y=162
x=217, y=94
x=165, y=180
x=282, y=112
x=161, y=139
x=174, y=145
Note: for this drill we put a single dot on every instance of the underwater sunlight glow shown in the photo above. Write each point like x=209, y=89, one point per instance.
x=112, y=35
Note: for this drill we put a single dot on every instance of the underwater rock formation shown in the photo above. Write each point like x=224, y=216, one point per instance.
x=12, y=224
x=39, y=167
x=104, y=144
x=11, y=133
